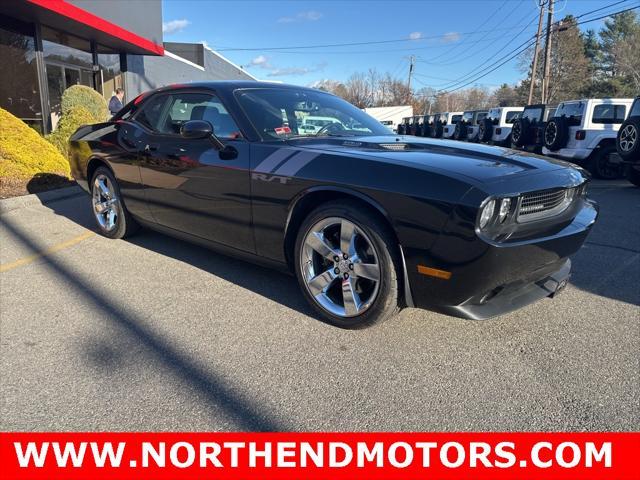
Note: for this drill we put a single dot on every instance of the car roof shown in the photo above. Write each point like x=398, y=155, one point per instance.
x=231, y=85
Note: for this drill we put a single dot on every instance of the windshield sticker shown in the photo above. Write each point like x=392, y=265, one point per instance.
x=282, y=130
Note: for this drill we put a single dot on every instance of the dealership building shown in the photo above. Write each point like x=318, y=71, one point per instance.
x=48, y=45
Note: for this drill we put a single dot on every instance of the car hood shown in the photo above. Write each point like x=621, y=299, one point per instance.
x=482, y=163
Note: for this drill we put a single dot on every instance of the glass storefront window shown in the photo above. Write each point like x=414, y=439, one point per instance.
x=69, y=61
x=19, y=92
x=110, y=75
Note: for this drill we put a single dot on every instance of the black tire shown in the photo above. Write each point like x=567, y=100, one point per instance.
x=427, y=130
x=628, y=140
x=386, y=302
x=460, y=132
x=633, y=175
x=401, y=129
x=556, y=133
x=124, y=225
x=601, y=167
x=521, y=132
x=485, y=130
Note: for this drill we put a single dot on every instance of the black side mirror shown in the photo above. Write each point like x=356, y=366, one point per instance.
x=194, y=129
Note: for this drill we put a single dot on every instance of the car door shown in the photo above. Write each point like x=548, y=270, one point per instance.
x=190, y=185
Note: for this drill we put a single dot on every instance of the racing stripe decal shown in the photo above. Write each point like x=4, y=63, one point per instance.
x=273, y=160
x=295, y=164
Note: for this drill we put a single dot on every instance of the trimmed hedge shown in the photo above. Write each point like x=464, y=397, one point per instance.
x=24, y=153
x=71, y=120
x=82, y=96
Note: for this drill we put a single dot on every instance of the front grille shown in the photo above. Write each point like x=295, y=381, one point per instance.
x=545, y=203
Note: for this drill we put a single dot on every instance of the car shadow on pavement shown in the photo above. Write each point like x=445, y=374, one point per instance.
x=244, y=413
x=608, y=265
x=269, y=283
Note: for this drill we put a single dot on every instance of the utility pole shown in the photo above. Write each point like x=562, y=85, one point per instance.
x=412, y=60
x=534, y=67
x=547, y=55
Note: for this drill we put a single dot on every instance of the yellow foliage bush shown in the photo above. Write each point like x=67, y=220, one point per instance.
x=68, y=124
x=24, y=153
x=83, y=96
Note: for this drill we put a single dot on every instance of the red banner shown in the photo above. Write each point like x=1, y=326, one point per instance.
x=336, y=456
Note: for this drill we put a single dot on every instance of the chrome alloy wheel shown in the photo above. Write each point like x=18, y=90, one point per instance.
x=628, y=138
x=340, y=267
x=105, y=203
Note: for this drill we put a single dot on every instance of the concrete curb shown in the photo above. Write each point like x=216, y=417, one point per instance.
x=14, y=203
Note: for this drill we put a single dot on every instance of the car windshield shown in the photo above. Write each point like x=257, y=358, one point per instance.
x=282, y=113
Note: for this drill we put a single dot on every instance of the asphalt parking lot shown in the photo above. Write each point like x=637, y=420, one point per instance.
x=156, y=334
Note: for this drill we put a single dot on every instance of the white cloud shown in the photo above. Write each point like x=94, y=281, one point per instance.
x=415, y=35
x=295, y=71
x=259, y=61
x=450, y=37
x=174, y=26
x=308, y=16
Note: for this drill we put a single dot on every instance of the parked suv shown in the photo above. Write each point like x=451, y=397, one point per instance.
x=474, y=127
x=427, y=125
x=437, y=128
x=418, y=122
x=496, y=127
x=584, y=132
x=466, y=124
x=527, y=132
x=403, y=126
x=449, y=123
x=628, y=143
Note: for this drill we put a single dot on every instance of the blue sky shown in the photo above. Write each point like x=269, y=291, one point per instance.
x=449, y=38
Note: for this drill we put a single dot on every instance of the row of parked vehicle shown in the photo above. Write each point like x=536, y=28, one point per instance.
x=601, y=135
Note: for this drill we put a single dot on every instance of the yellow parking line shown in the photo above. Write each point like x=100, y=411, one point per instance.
x=53, y=249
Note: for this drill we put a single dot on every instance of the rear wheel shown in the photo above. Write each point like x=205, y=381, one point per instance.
x=602, y=165
x=109, y=211
x=628, y=140
x=347, y=265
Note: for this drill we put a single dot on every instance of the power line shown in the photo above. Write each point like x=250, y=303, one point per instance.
x=376, y=42
x=525, y=47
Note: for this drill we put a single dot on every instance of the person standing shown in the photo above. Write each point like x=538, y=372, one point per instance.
x=115, y=104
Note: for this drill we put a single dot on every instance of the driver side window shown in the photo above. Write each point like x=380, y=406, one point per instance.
x=186, y=106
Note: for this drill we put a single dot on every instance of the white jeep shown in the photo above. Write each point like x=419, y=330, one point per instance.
x=450, y=119
x=496, y=127
x=584, y=132
x=472, y=121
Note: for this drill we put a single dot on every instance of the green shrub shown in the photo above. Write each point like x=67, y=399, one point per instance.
x=71, y=120
x=24, y=153
x=81, y=96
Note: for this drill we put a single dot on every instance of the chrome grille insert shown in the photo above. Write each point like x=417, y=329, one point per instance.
x=544, y=203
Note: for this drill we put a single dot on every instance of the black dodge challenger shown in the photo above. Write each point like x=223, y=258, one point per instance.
x=369, y=221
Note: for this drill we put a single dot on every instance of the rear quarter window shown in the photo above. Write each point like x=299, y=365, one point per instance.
x=608, y=113
x=511, y=116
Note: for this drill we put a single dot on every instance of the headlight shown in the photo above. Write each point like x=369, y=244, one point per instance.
x=505, y=206
x=487, y=213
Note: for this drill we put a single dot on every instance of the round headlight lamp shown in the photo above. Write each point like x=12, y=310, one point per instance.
x=487, y=213
x=505, y=206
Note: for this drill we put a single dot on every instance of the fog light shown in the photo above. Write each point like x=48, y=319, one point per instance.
x=505, y=206
x=487, y=213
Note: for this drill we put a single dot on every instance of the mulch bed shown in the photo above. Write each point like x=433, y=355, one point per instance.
x=40, y=183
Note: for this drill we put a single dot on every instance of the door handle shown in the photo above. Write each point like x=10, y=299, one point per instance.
x=148, y=148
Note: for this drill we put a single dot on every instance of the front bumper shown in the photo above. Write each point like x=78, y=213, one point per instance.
x=491, y=279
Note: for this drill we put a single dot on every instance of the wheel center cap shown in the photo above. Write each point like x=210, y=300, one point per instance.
x=343, y=265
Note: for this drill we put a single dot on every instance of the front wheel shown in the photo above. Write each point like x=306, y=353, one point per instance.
x=347, y=265
x=109, y=211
